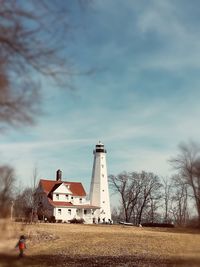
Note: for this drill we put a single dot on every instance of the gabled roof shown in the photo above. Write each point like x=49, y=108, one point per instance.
x=76, y=188
x=59, y=184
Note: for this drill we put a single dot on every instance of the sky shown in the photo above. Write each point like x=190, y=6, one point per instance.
x=141, y=100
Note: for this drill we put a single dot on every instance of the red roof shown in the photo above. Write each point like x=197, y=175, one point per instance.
x=60, y=203
x=76, y=188
x=69, y=204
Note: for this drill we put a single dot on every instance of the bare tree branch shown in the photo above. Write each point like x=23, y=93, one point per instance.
x=34, y=36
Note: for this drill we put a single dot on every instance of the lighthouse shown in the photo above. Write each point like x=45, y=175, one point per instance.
x=99, y=193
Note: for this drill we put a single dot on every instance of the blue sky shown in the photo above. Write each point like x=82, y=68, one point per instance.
x=141, y=101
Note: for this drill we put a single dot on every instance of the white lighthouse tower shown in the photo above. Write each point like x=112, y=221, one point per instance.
x=99, y=194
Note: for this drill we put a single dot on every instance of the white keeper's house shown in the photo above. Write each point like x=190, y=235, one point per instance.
x=65, y=201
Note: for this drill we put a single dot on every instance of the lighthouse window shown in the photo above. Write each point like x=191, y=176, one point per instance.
x=102, y=175
x=102, y=190
x=103, y=201
x=102, y=165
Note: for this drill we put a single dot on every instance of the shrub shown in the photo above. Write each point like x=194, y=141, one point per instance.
x=77, y=221
x=167, y=225
x=19, y=220
x=52, y=219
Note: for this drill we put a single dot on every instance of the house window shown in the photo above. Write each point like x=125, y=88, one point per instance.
x=78, y=211
x=80, y=200
x=85, y=212
x=72, y=198
x=59, y=211
x=69, y=212
x=67, y=197
x=57, y=196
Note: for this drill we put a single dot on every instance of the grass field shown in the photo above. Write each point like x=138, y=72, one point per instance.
x=99, y=245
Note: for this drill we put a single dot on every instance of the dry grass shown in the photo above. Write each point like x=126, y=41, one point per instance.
x=100, y=245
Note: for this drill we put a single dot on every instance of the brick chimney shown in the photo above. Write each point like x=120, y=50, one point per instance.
x=58, y=175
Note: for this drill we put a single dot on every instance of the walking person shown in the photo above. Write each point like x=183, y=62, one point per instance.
x=21, y=244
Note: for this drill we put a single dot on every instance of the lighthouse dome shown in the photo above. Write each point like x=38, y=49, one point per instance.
x=100, y=148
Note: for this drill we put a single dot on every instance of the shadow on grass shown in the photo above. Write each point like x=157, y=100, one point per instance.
x=177, y=230
x=64, y=260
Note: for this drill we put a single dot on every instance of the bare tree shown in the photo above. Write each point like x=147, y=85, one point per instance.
x=151, y=213
x=26, y=202
x=34, y=37
x=35, y=178
x=117, y=215
x=180, y=201
x=23, y=202
x=128, y=186
x=7, y=180
x=120, y=185
x=149, y=194
x=187, y=162
x=167, y=197
x=136, y=190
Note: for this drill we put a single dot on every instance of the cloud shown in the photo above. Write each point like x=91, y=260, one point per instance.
x=142, y=159
x=150, y=35
x=179, y=43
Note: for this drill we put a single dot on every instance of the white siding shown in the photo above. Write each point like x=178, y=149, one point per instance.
x=78, y=213
x=65, y=215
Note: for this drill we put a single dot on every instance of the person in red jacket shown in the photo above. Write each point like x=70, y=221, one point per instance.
x=21, y=244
